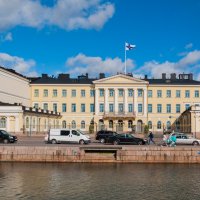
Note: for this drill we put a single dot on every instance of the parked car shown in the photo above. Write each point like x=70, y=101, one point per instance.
x=125, y=139
x=103, y=135
x=66, y=136
x=6, y=137
x=182, y=138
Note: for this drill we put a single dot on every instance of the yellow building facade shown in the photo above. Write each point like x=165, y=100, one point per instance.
x=120, y=102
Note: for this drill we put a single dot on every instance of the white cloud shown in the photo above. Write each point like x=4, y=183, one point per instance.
x=18, y=64
x=188, y=46
x=66, y=14
x=82, y=64
x=8, y=37
x=188, y=64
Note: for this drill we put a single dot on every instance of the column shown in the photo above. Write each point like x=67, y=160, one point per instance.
x=116, y=100
x=8, y=123
x=17, y=124
x=135, y=102
x=96, y=101
x=125, y=100
x=106, y=101
x=145, y=102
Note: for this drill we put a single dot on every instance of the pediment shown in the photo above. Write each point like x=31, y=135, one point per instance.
x=120, y=79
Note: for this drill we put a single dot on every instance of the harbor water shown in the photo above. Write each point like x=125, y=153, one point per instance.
x=39, y=181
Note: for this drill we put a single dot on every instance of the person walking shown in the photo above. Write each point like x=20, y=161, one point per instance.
x=173, y=140
x=150, y=138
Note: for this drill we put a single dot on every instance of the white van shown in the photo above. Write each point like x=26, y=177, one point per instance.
x=66, y=136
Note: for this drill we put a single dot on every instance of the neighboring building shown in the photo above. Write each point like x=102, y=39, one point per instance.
x=120, y=102
x=17, y=119
x=14, y=87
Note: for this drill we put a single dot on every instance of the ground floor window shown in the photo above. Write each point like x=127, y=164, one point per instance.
x=27, y=122
x=3, y=123
x=130, y=124
x=111, y=124
x=150, y=124
x=159, y=125
x=83, y=124
x=73, y=124
x=64, y=124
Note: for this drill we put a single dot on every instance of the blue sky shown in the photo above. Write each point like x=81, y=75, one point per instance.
x=88, y=36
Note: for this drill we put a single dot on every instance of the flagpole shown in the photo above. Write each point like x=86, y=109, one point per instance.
x=125, y=58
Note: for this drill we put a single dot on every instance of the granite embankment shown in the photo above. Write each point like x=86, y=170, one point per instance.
x=114, y=154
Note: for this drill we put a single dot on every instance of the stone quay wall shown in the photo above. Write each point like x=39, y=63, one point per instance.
x=113, y=154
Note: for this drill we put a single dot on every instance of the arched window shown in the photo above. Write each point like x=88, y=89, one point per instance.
x=83, y=124
x=130, y=123
x=64, y=124
x=3, y=123
x=27, y=122
x=110, y=123
x=168, y=125
x=150, y=124
x=178, y=124
x=159, y=125
x=73, y=124
x=34, y=122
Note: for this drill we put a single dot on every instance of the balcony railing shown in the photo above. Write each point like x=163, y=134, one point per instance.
x=119, y=115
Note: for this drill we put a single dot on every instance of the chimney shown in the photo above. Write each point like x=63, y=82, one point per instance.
x=173, y=76
x=190, y=76
x=44, y=76
x=145, y=77
x=163, y=76
x=63, y=76
x=101, y=75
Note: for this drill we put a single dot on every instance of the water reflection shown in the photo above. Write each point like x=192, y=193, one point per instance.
x=99, y=181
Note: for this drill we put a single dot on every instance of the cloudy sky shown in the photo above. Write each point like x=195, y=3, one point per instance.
x=88, y=36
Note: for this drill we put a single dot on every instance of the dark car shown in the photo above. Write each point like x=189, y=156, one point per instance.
x=5, y=137
x=103, y=135
x=125, y=139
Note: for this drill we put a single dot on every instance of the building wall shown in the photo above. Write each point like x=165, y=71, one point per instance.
x=14, y=88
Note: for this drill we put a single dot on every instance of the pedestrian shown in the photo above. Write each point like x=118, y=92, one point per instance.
x=165, y=139
x=150, y=138
x=172, y=140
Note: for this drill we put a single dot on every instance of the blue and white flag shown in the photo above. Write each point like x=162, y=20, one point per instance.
x=129, y=47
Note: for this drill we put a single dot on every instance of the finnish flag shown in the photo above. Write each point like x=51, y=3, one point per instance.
x=129, y=47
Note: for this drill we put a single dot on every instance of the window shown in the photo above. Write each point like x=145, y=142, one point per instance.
x=139, y=93
x=121, y=107
x=159, y=93
x=92, y=92
x=45, y=106
x=168, y=94
x=65, y=132
x=130, y=123
x=73, y=93
x=150, y=124
x=36, y=105
x=159, y=108
x=27, y=122
x=83, y=124
x=178, y=93
x=36, y=93
x=168, y=125
x=111, y=92
x=101, y=92
x=64, y=93
x=82, y=93
x=121, y=92
x=55, y=93
x=130, y=107
x=196, y=93
x=73, y=107
x=168, y=108
x=111, y=107
x=3, y=123
x=130, y=92
x=82, y=107
x=159, y=125
x=150, y=93
x=45, y=93
x=140, y=108
x=178, y=108
x=149, y=108
x=55, y=107
x=73, y=124
x=101, y=107
x=110, y=123
x=187, y=94
x=64, y=124
x=64, y=107
x=92, y=107
x=187, y=106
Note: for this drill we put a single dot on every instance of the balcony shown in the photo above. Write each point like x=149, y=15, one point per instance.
x=119, y=115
